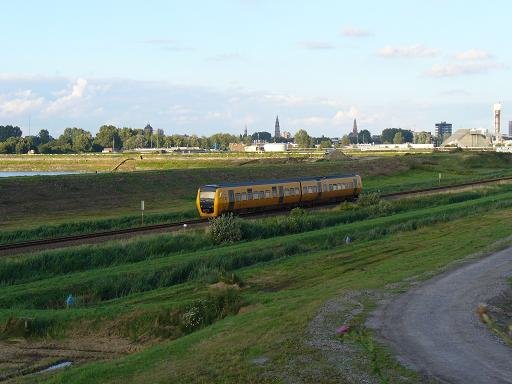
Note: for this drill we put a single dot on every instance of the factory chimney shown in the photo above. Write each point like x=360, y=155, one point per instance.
x=497, y=122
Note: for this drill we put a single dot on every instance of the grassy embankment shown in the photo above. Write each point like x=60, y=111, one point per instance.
x=40, y=207
x=148, y=288
x=102, y=162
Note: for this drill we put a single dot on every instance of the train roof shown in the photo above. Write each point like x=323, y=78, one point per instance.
x=278, y=181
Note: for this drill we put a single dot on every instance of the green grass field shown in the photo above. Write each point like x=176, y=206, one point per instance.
x=178, y=308
x=156, y=291
x=39, y=207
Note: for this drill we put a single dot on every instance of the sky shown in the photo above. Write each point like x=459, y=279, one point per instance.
x=201, y=67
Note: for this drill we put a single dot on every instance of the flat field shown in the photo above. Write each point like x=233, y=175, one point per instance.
x=47, y=206
x=178, y=308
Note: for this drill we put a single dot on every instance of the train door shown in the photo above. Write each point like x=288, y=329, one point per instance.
x=281, y=194
x=319, y=189
x=231, y=199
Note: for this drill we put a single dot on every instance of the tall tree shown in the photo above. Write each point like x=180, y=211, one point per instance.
x=44, y=136
x=325, y=143
x=398, y=139
x=302, y=139
x=364, y=136
x=108, y=135
x=9, y=131
x=345, y=140
x=388, y=135
x=262, y=136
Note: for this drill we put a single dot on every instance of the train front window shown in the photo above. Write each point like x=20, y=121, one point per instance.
x=206, y=199
x=207, y=195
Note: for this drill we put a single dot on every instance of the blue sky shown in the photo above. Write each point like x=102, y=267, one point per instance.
x=203, y=67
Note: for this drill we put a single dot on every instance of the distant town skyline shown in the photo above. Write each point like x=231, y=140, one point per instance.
x=201, y=67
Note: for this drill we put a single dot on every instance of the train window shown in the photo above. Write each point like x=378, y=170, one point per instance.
x=256, y=195
x=330, y=187
x=267, y=194
x=274, y=191
x=244, y=196
x=305, y=190
x=287, y=191
x=325, y=187
x=310, y=189
x=238, y=197
x=297, y=190
x=249, y=194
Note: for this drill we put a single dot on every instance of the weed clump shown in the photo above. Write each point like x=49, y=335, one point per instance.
x=206, y=311
x=214, y=274
x=225, y=229
x=368, y=199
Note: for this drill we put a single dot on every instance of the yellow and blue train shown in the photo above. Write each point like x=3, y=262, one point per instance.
x=215, y=199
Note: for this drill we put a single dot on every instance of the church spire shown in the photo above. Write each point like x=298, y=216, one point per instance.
x=277, y=132
x=354, y=128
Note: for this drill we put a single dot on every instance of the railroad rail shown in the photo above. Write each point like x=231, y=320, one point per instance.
x=192, y=222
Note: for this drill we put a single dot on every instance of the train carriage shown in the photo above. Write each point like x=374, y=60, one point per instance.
x=215, y=199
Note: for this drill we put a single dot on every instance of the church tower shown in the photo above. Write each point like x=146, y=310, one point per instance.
x=277, y=132
x=354, y=127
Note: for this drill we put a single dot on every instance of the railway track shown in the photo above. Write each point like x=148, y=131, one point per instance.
x=196, y=222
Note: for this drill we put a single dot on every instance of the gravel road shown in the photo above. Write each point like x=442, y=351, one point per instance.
x=434, y=329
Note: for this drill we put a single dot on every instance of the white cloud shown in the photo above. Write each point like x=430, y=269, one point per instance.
x=355, y=32
x=342, y=116
x=69, y=98
x=473, y=54
x=309, y=121
x=21, y=102
x=316, y=45
x=470, y=68
x=416, y=50
x=284, y=99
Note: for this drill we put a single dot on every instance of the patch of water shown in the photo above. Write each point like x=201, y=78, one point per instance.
x=62, y=364
x=36, y=173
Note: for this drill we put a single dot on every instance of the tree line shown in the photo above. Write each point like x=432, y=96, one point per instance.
x=78, y=140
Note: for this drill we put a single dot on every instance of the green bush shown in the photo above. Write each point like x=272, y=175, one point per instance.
x=206, y=311
x=225, y=229
x=368, y=199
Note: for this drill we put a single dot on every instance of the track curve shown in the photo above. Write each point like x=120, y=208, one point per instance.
x=434, y=329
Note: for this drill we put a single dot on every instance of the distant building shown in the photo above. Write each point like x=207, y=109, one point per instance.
x=443, y=129
x=468, y=138
x=354, y=135
x=286, y=135
x=277, y=128
x=148, y=129
x=510, y=129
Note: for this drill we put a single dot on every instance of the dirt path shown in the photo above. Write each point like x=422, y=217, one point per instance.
x=434, y=329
